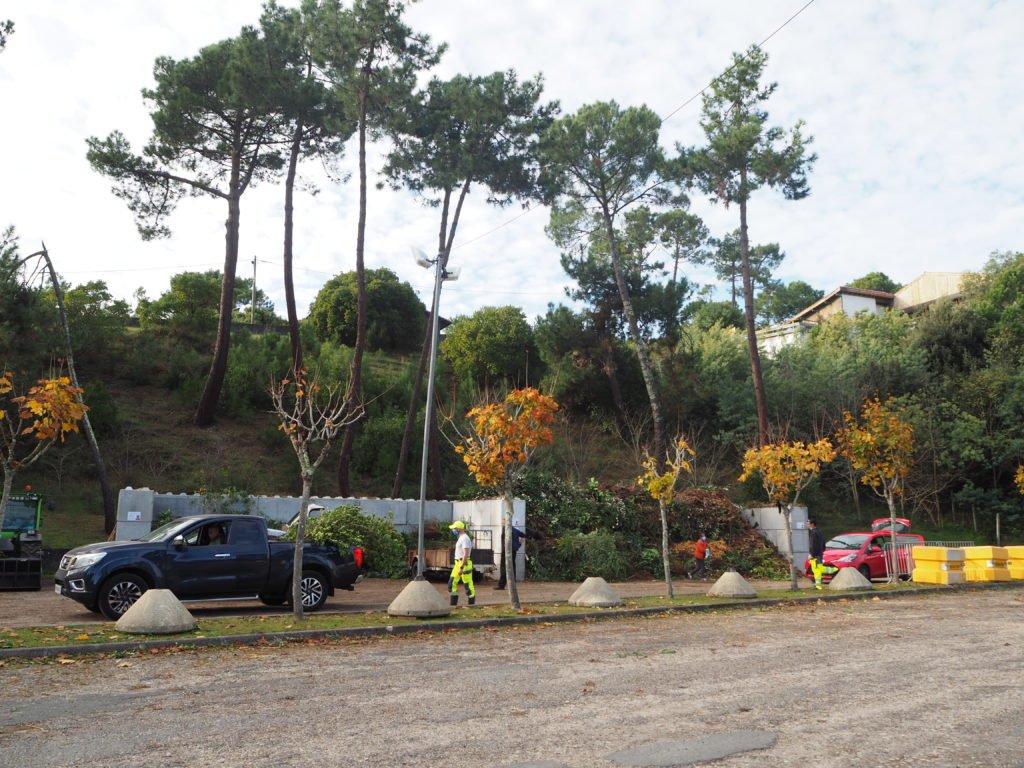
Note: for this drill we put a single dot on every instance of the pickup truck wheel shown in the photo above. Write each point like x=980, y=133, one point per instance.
x=314, y=591
x=119, y=593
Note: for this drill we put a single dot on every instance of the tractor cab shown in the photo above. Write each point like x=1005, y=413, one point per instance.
x=21, y=544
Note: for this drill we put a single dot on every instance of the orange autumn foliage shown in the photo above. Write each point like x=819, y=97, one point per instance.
x=506, y=434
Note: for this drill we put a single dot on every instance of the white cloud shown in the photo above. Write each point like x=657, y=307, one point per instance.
x=915, y=109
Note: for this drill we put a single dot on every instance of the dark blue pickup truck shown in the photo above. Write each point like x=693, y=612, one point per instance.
x=206, y=557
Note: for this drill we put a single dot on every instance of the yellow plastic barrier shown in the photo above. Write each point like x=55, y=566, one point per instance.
x=938, y=565
x=1015, y=561
x=986, y=564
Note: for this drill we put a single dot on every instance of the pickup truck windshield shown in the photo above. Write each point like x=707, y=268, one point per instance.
x=165, y=532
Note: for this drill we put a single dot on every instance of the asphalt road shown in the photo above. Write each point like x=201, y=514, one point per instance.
x=930, y=680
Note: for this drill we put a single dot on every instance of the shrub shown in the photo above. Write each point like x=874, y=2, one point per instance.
x=556, y=505
x=347, y=526
x=650, y=561
x=599, y=553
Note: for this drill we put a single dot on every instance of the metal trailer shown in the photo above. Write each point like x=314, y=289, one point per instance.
x=438, y=561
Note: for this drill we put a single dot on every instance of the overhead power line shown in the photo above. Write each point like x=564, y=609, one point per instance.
x=682, y=106
x=699, y=93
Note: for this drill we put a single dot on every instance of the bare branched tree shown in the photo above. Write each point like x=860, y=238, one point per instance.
x=312, y=415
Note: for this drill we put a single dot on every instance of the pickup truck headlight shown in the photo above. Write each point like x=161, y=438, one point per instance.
x=847, y=559
x=84, y=561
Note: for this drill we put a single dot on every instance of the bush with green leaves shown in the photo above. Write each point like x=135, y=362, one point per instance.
x=650, y=560
x=347, y=526
x=557, y=505
x=599, y=553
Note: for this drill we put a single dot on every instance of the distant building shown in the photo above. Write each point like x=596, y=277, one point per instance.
x=914, y=296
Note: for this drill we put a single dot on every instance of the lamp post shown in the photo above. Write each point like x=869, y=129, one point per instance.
x=440, y=274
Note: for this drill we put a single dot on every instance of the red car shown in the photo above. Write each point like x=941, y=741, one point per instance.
x=867, y=552
x=884, y=523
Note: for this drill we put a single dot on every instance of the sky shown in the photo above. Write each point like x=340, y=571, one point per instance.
x=915, y=108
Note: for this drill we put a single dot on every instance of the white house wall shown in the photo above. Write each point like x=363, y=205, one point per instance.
x=771, y=524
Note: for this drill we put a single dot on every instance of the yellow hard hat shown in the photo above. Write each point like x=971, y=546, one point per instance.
x=458, y=525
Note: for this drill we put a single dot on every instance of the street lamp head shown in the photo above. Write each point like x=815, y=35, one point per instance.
x=421, y=257
x=452, y=273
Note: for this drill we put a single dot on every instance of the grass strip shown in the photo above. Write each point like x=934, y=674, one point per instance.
x=82, y=636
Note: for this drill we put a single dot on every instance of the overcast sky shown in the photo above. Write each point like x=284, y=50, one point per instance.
x=915, y=108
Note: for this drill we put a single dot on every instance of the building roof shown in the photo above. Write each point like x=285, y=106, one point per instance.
x=881, y=297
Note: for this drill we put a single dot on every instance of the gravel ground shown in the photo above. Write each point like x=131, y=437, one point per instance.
x=930, y=680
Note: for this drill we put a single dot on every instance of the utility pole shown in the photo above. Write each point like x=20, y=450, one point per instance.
x=252, y=307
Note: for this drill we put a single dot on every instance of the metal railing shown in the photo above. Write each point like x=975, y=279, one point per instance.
x=905, y=554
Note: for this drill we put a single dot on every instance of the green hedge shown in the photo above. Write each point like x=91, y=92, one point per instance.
x=347, y=526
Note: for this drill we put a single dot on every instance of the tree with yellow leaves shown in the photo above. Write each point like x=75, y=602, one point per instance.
x=504, y=437
x=880, y=448
x=785, y=470
x=1019, y=478
x=31, y=423
x=662, y=487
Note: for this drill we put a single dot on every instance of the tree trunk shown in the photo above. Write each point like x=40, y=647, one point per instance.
x=218, y=368
x=748, y=312
x=8, y=484
x=894, y=575
x=109, y=512
x=414, y=407
x=356, y=371
x=507, y=553
x=436, y=472
x=787, y=510
x=646, y=369
x=611, y=372
x=300, y=540
x=421, y=371
x=664, y=550
x=289, y=224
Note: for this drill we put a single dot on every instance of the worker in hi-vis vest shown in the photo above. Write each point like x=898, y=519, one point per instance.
x=462, y=571
x=817, y=551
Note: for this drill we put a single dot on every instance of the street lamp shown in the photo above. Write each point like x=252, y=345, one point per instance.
x=440, y=274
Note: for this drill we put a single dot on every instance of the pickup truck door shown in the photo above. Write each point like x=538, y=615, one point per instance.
x=199, y=569
x=247, y=542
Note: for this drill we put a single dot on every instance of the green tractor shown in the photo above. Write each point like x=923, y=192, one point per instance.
x=21, y=544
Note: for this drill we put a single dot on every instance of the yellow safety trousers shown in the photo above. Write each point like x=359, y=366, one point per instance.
x=819, y=569
x=462, y=573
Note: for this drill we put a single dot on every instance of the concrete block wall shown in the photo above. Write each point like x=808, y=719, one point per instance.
x=137, y=508
x=771, y=524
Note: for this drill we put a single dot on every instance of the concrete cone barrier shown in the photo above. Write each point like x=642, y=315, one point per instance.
x=595, y=593
x=157, y=612
x=731, y=584
x=421, y=600
x=849, y=578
